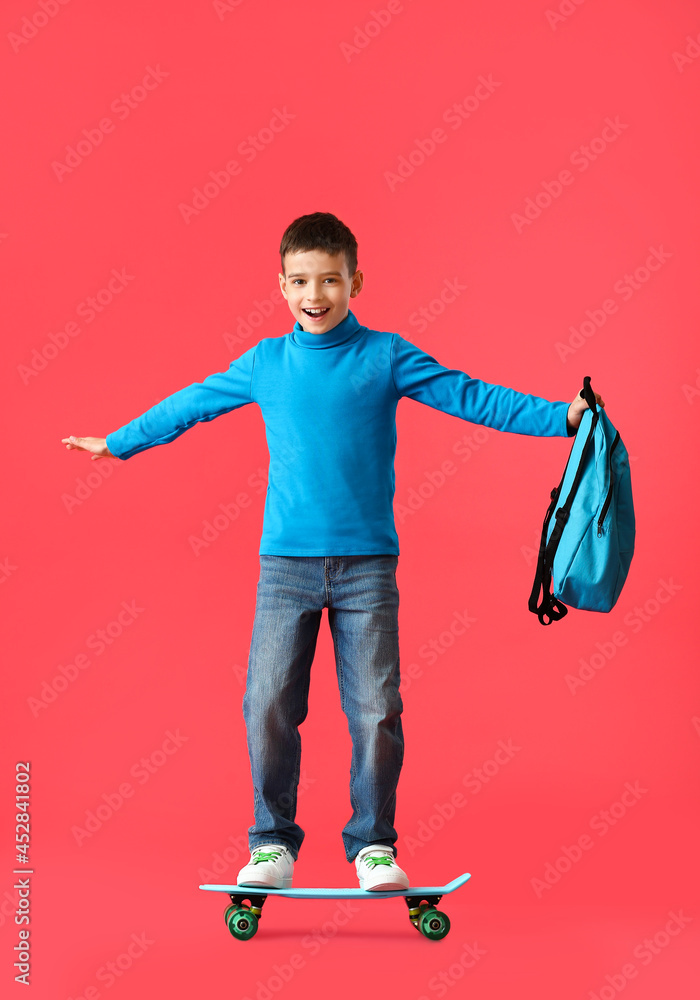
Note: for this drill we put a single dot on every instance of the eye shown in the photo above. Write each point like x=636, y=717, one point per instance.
x=294, y=280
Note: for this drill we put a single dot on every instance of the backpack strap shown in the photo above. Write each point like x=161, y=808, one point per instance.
x=549, y=606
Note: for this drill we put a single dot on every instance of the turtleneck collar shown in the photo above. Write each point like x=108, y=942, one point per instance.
x=346, y=329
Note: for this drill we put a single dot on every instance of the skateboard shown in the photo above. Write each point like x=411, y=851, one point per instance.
x=243, y=913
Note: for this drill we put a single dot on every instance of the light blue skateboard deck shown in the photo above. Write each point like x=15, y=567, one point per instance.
x=245, y=909
x=340, y=893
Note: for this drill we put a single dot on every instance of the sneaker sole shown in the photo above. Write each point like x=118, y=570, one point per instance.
x=284, y=883
x=384, y=887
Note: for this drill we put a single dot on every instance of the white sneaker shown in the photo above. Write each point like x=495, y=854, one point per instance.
x=377, y=869
x=270, y=865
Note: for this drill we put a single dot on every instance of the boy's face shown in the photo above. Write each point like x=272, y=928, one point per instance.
x=316, y=280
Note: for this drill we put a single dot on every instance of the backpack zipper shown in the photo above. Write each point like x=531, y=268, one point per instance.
x=608, y=497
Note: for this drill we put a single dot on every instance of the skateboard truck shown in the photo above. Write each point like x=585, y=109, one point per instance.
x=426, y=918
x=241, y=918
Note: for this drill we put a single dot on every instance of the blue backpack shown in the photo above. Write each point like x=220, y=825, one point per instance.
x=587, y=546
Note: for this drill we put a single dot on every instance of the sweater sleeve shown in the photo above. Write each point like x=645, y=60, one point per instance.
x=218, y=393
x=420, y=377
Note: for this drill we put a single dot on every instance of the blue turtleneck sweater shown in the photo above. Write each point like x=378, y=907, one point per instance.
x=329, y=405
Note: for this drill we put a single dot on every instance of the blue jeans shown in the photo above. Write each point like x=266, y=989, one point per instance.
x=362, y=598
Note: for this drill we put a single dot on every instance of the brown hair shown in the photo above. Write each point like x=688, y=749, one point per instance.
x=320, y=231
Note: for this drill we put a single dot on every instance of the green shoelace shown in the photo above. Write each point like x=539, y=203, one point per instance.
x=378, y=859
x=265, y=856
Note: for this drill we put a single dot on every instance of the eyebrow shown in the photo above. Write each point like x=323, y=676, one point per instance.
x=302, y=274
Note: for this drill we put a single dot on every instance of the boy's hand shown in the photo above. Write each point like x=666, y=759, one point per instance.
x=98, y=446
x=576, y=411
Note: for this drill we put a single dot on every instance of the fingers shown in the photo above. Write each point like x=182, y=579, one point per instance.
x=583, y=404
x=97, y=446
x=79, y=443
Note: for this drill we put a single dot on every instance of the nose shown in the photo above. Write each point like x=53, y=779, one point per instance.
x=314, y=292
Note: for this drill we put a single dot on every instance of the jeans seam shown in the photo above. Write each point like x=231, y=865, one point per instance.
x=339, y=662
x=304, y=702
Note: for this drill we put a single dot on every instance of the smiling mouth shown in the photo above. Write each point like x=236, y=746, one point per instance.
x=316, y=313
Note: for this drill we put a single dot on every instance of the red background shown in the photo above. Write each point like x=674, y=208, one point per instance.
x=180, y=664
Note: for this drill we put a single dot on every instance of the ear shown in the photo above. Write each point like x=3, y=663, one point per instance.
x=357, y=283
x=283, y=284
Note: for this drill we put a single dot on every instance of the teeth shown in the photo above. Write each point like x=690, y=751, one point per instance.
x=315, y=312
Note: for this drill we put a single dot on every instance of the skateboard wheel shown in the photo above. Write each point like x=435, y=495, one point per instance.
x=241, y=922
x=433, y=924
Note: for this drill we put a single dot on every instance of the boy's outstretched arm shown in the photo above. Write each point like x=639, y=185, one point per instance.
x=419, y=376
x=218, y=393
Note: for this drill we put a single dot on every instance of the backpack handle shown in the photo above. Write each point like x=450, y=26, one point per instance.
x=588, y=394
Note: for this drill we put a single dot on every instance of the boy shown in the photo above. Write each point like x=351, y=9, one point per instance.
x=328, y=393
